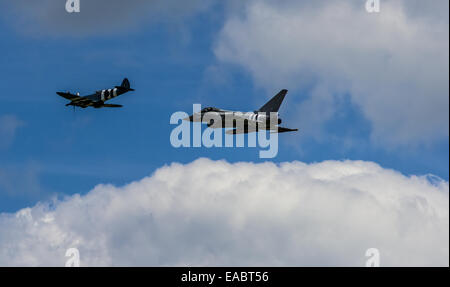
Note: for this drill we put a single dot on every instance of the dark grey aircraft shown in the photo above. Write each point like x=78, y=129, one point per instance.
x=98, y=99
x=266, y=118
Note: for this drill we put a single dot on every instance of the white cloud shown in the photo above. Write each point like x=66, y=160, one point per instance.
x=394, y=64
x=217, y=213
x=49, y=17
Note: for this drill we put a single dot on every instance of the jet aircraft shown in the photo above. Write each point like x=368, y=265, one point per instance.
x=98, y=99
x=265, y=118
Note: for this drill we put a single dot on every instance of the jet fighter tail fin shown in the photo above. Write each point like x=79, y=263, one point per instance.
x=274, y=104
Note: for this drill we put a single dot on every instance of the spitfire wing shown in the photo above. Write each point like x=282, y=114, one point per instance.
x=111, y=106
x=68, y=96
x=82, y=102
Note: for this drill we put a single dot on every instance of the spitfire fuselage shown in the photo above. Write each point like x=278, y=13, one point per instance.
x=98, y=99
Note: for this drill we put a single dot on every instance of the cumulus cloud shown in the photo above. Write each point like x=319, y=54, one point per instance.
x=49, y=17
x=394, y=64
x=8, y=127
x=217, y=213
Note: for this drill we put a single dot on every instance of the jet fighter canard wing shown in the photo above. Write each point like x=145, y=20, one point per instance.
x=274, y=104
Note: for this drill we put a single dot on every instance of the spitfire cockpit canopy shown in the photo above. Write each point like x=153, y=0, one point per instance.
x=210, y=109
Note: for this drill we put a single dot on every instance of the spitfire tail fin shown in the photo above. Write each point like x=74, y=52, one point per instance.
x=125, y=85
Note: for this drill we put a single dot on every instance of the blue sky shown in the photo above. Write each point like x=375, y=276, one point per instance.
x=171, y=64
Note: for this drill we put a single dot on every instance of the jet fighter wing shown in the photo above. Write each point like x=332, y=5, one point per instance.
x=236, y=131
x=252, y=129
x=283, y=130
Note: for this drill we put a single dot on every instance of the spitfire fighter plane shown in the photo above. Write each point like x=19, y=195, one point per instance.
x=265, y=118
x=98, y=99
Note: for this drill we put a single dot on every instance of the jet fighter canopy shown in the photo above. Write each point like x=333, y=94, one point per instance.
x=210, y=109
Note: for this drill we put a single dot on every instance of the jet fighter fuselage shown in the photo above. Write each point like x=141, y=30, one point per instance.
x=266, y=118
